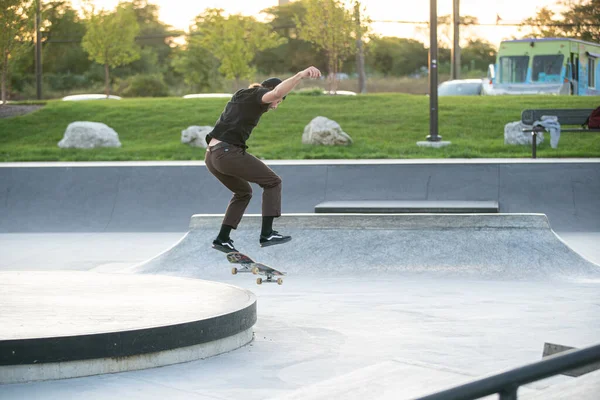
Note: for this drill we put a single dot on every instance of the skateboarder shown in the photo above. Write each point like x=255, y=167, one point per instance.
x=226, y=157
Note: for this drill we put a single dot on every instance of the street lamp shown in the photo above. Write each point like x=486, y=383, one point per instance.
x=433, y=74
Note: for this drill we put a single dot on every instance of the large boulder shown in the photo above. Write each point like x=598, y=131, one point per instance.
x=195, y=135
x=324, y=131
x=89, y=135
x=513, y=134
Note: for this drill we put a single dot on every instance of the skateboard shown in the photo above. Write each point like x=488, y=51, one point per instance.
x=249, y=265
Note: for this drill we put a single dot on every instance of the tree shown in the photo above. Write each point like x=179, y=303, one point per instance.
x=15, y=36
x=62, y=25
x=295, y=54
x=234, y=41
x=478, y=54
x=155, y=43
x=580, y=20
x=110, y=38
x=542, y=25
x=198, y=67
x=393, y=56
x=329, y=25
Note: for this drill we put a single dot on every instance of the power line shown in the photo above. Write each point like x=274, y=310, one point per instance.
x=180, y=33
x=558, y=24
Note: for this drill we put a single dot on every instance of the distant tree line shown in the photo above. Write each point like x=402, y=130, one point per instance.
x=129, y=51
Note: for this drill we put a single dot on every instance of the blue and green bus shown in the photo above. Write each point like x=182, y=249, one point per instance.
x=559, y=66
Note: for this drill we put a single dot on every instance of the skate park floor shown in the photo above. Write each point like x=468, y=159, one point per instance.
x=318, y=337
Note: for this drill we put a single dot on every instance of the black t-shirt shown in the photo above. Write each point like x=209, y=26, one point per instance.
x=240, y=116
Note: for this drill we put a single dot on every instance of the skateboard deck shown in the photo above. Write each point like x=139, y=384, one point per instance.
x=238, y=258
x=247, y=264
x=269, y=272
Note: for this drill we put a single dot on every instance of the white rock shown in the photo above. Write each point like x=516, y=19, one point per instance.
x=88, y=135
x=207, y=95
x=326, y=132
x=195, y=135
x=339, y=92
x=79, y=97
x=513, y=134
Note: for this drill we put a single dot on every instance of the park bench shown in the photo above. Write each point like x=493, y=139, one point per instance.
x=566, y=117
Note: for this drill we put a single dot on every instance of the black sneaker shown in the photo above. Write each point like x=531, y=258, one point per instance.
x=274, y=238
x=225, y=247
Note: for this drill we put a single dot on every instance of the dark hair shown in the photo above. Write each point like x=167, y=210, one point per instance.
x=271, y=83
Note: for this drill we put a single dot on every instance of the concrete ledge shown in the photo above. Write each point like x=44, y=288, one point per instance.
x=381, y=221
x=408, y=206
x=67, y=324
x=109, y=365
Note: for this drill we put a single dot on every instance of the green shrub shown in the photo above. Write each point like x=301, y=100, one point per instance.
x=65, y=82
x=145, y=86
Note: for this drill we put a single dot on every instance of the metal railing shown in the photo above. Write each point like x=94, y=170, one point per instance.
x=534, y=131
x=507, y=383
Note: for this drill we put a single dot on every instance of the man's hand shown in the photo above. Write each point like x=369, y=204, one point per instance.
x=310, y=72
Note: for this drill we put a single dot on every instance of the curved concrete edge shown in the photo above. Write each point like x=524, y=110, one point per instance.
x=72, y=369
x=464, y=246
x=64, y=324
x=581, y=256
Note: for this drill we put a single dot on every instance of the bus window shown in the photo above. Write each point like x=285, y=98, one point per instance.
x=547, y=68
x=513, y=69
x=592, y=73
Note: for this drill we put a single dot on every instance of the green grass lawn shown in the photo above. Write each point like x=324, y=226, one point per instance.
x=381, y=126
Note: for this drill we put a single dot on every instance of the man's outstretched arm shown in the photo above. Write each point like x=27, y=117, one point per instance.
x=286, y=86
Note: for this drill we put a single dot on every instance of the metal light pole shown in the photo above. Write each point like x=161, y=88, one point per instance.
x=433, y=74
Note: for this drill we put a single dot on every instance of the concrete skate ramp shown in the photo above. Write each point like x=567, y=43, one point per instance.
x=160, y=197
x=498, y=246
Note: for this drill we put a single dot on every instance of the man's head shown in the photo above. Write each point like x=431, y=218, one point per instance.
x=271, y=83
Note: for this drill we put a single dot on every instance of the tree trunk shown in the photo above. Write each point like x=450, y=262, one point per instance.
x=3, y=78
x=360, y=57
x=331, y=72
x=336, y=69
x=106, y=81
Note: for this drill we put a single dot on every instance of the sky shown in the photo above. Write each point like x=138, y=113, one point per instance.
x=180, y=13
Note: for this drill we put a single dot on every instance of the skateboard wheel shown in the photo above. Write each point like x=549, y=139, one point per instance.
x=255, y=270
x=234, y=270
x=259, y=281
x=280, y=281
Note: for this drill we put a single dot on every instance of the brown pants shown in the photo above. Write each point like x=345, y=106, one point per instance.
x=235, y=168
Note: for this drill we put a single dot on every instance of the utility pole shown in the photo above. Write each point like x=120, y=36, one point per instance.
x=360, y=57
x=455, y=65
x=38, y=50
